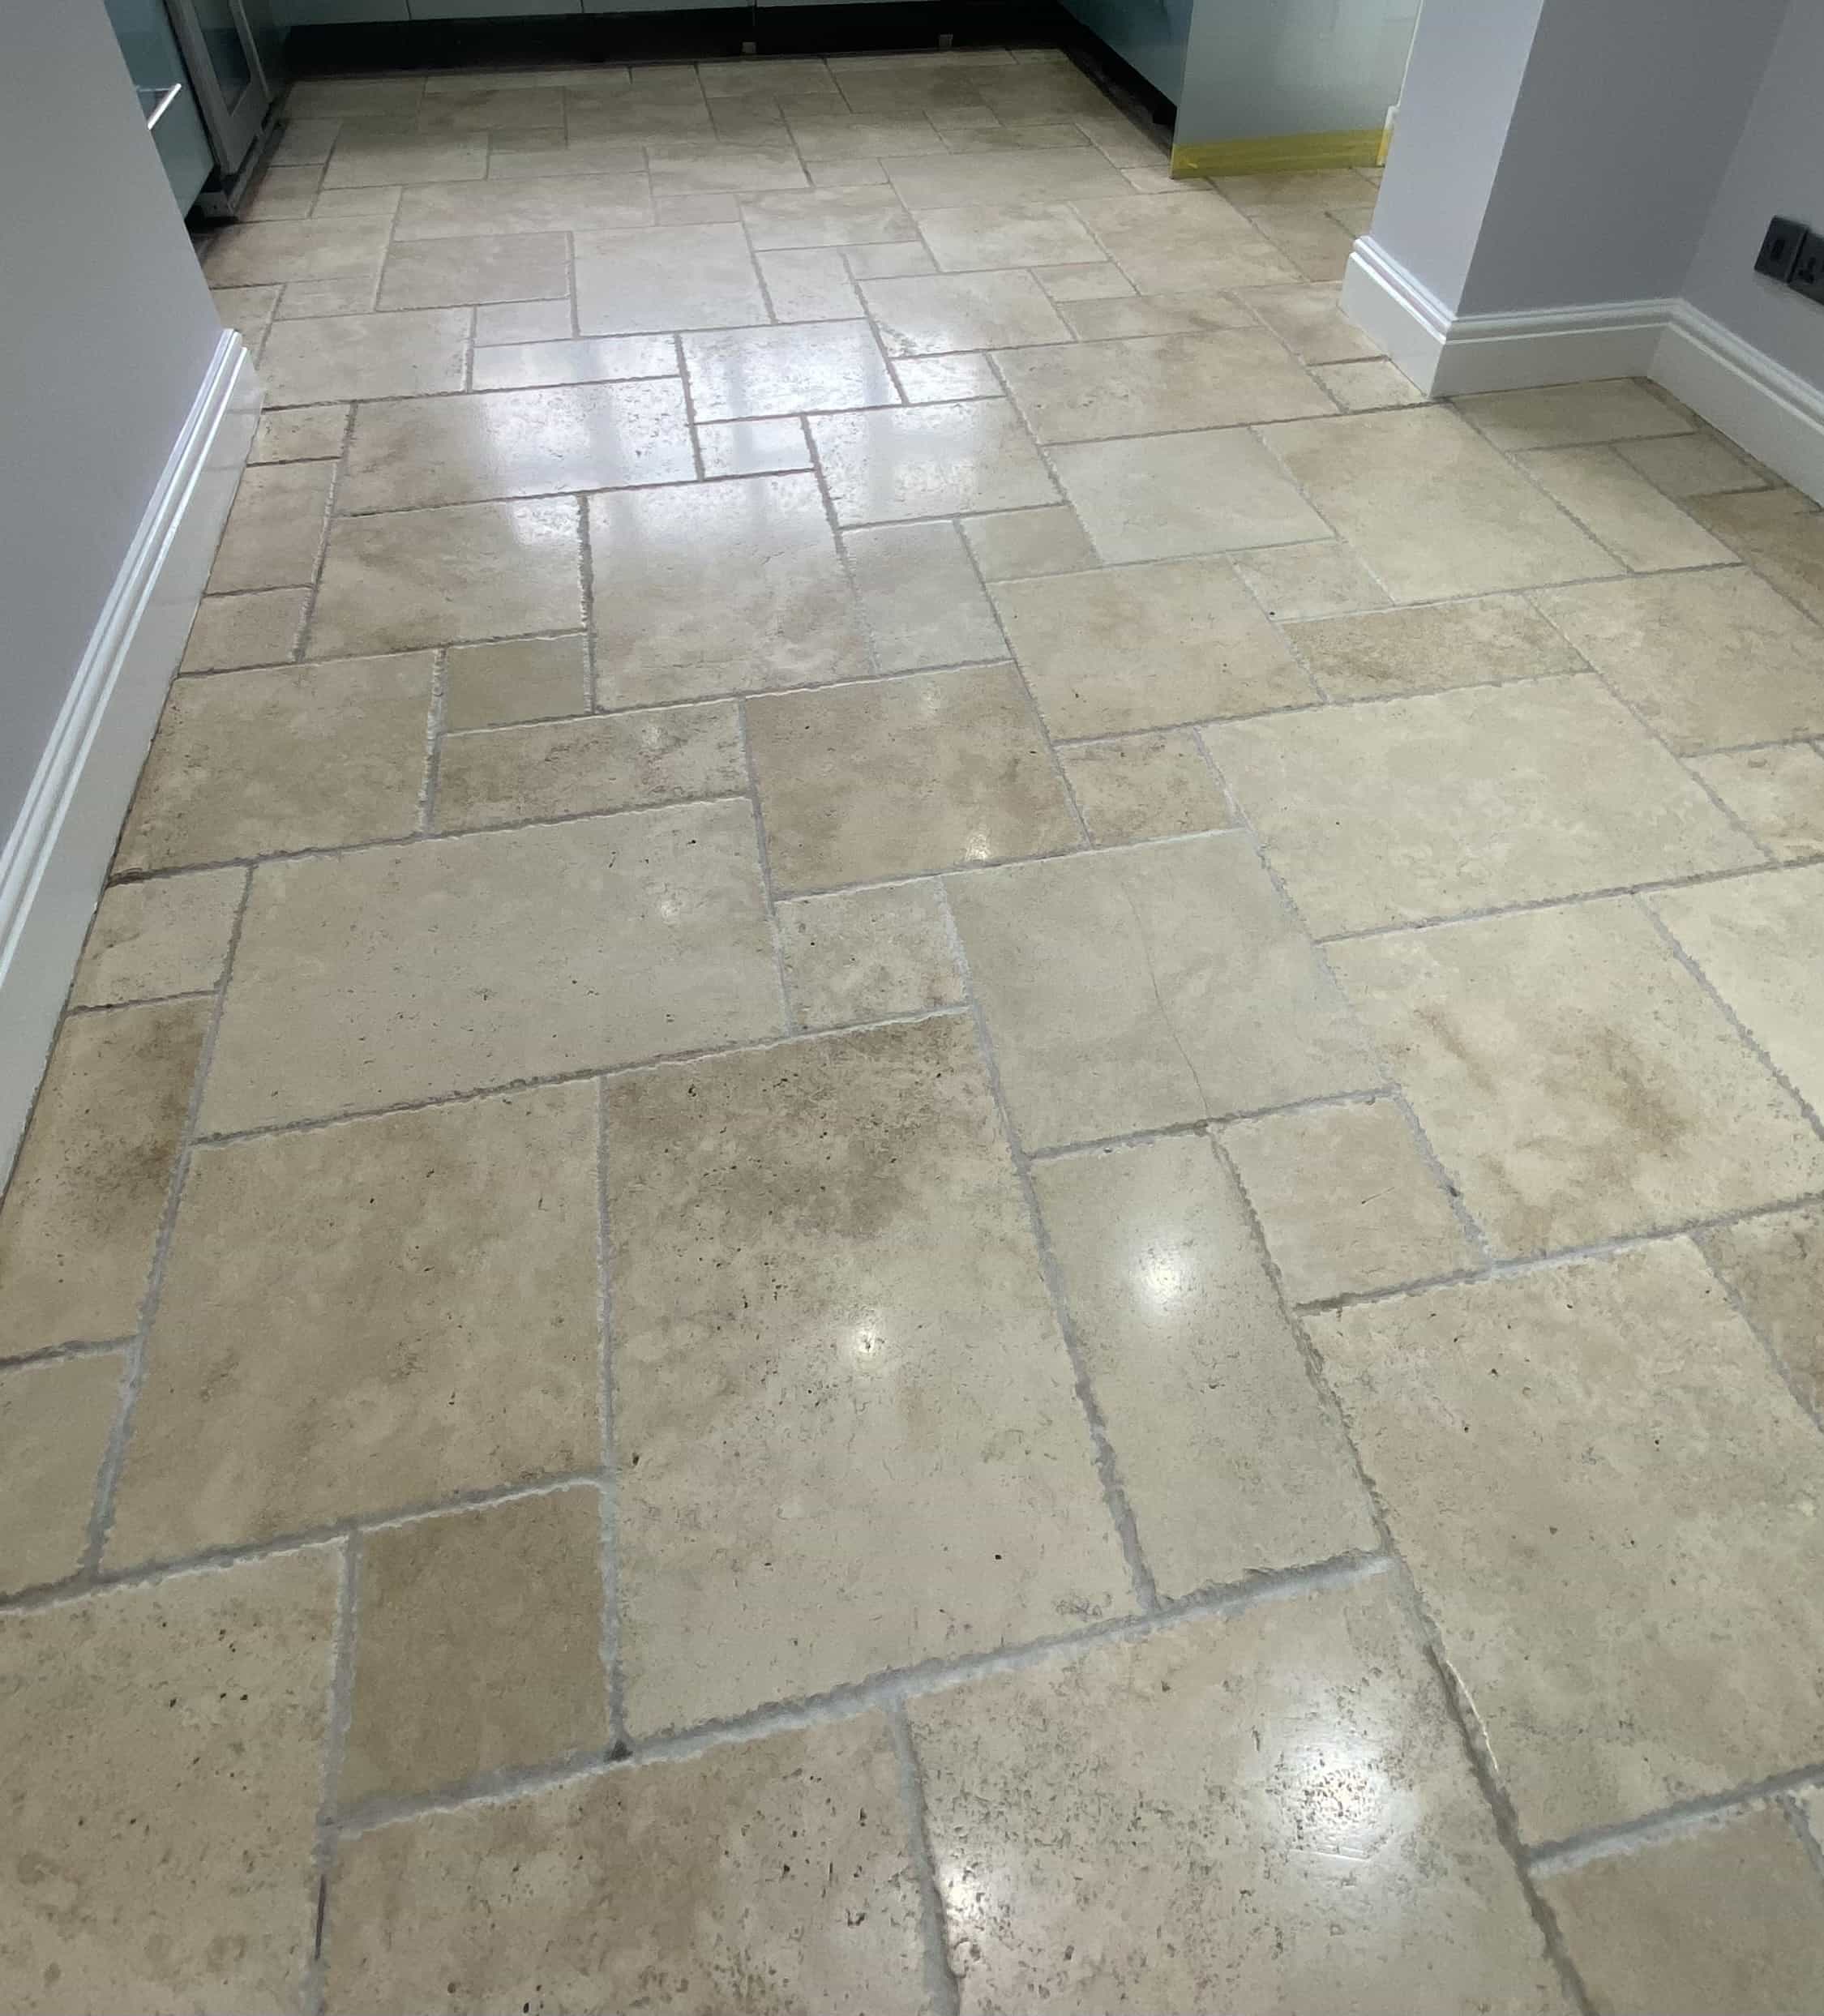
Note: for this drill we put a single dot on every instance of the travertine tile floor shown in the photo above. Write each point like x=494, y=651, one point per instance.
x=948, y=1131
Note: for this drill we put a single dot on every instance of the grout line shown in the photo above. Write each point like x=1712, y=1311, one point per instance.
x=56, y=1354
x=788, y=1015
x=613, y=1679
x=433, y=740
x=1732, y=1295
x=941, y=1989
x=341, y=1694
x=1685, y=1816
x=1802, y=1827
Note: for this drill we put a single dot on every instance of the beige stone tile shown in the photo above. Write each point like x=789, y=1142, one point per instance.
x=449, y=272
x=804, y=367
x=1314, y=189
x=765, y=1874
x=780, y=221
x=359, y=1318
x=1009, y=544
x=364, y=356
x=812, y=285
x=630, y=120
x=1308, y=320
x=829, y=1360
x=526, y=678
x=703, y=206
x=81, y=1213
x=274, y=761
x=1426, y=649
x=164, y=1749
x=979, y=138
x=480, y=107
x=844, y=173
x=382, y=200
x=1369, y=385
x=602, y=763
x=829, y=136
x=866, y=954
x=1608, y=1500
x=1179, y=244
x=55, y=1420
x=347, y=97
x=1699, y=464
x=401, y=158
x=678, y=277
x=991, y=234
x=725, y=588
x=1347, y=1202
x=167, y=936
x=892, y=778
x=275, y=532
x=1144, y=787
x=582, y=203
x=248, y=310
x=1103, y=280
x=930, y=313
x=920, y=597
x=586, y=360
x=1641, y=526
x=1167, y=496
x=555, y=439
x=448, y=575
x=1759, y=940
x=1777, y=793
x=1707, y=659
x=777, y=76
x=1774, y=1264
x=1780, y=533
x=1565, y=415
x=1408, y=810
x=1727, y=1916
x=300, y=434
x=543, y=152
x=365, y=979
x=1576, y=1082
x=1156, y=315
x=247, y=254
x=888, y=262
x=682, y=167
x=753, y=447
x=232, y=630
x=341, y=294
x=1310, y=241
x=1228, y=1459
x=1089, y=392
x=1063, y=174
x=1306, y=581
x=1172, y=642
x=1430, y=507
x=929, y=461
x=516, y=321
x=477, y=1645
x=1142, y=986
x=302, y=140
x=1355, y=1865
x=961, y=375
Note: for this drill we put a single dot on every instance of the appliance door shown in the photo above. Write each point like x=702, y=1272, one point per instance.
x=231, y=90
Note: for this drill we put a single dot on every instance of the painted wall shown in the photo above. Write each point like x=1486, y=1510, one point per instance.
x=1259, y=69
x=106, y=332
x=1777, y=168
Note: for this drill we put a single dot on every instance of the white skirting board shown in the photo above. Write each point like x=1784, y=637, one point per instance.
x=1759, y=403
x=55, y=860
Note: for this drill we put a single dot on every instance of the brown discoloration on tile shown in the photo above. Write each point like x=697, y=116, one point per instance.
x=1423, y=650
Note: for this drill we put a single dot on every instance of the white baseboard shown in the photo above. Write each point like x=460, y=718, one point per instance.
x=1741, y=391
x=54, y=862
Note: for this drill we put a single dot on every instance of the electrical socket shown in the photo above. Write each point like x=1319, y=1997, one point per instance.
x=1807, y=276
x=1779, y=248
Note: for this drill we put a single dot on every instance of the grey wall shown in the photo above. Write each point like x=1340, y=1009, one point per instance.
x=1777, y=168
x=106, y=331
x=1257, y=69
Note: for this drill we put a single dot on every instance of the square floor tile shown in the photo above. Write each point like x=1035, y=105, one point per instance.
x=408, y=452
x=297, y=434
x=1354, y=1863
x=865, y=954
x=929, y=461
x=1012, y=545
x=1092, y=391
x=1430, y=507
x=811, y=285
x=804, y=367
x=1308, y=322
x=1169, y=495
x=930, y=312
x=1386, y=651
x=719, y=587
x=454, y=272
x=275, y=531
x=674, y=276
x=1146, y=647
x=1774, y=1264
x=1412, y=809
x=233, y=630
x=275, y=761
x=525, y=678
x=164, y=1768
x=891, y=777
x=55, y=1422
x=769, y=1870
x=364, y=356
x=1699, y=464
x=364, y=979
x=477, y=1645
x=1144, y=987
x=400, y=580
x=1557, y=416
x=1576, y=1081
x=844, y=1420
x=1296, y=582
x=1178, y=243
x=921, y=597
x=1608, y=1500
x=150, y=939
x=753, y=447
x=81, y=1213
x=366, y=1317
x=1708, y=659
x=1230, y=1461
x=1777, y=794
x=1003, y=234
x=1144, y=787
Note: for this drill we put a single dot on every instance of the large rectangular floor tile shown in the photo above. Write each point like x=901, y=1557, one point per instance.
x=778, y=221
x=1183, y=243
x=1638, y=525
x=405, y=973
x=1266, y=1811
x=719, y=587
x=1229, y=1459
x=929, y=461
x=1147, y=985
x=365, y=1317
x=164, y=1768
x=890, y=777
x=247, y=254
x=1409, y=809
x=570, y=203
x=676, y=276
x=1609, y=1501
x=930, y=313
x=1431, y=507
x=445, y=272
x=843, y=1416
x=771, y=1874
x=393, y=356
x=1576, y=1082
x=988, y=234
x=804, y=367
x=1381, y=653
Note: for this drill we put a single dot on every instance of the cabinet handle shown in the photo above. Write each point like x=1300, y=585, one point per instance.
x=167, y=98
